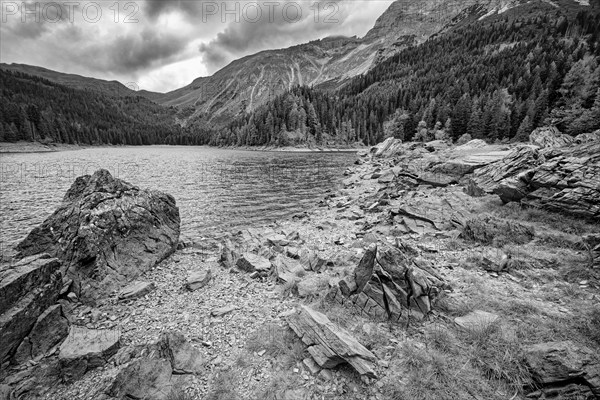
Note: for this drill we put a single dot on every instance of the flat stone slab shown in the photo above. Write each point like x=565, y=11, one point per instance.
x=136, y=289
x=85, y=349
x=476, y=320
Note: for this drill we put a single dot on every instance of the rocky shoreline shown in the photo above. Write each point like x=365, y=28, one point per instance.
x=415, y=280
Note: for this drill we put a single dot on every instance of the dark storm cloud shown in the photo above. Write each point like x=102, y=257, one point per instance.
x=279, y=26
x=135, y=51
x=191, y=8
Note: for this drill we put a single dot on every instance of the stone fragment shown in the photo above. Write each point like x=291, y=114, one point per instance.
x=198, y=279
x=218, y=312
x=136, y=289
x=250, y=262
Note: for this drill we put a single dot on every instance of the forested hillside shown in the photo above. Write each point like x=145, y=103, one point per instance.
x=32, y=108
x=495, y=79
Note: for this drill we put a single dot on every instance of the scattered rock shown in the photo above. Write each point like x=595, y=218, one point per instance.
x=85, y=349
x=311, y=365
x=198, y=279
x=286, y=269
x=135, y=290
x=330, y=345
x=27, y=289
x=106, y=232
x=250, y=262
x=312, y=261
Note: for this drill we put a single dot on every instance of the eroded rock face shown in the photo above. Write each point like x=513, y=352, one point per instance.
x=564, y=179
x=106, y=232
x=564, y=368
x=27, y=289
x=387, y=281
x=49, y=330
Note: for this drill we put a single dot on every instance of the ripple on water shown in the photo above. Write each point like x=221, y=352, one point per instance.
x=216, y=190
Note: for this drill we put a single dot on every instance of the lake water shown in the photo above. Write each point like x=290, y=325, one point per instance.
x=216, y=190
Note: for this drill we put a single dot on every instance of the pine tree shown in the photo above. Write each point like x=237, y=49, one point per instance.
x=524, y=131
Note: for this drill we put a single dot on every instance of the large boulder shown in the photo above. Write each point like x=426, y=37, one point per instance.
x=388, y=281
x=27, y=289
x=549, y=136
x=107, y=232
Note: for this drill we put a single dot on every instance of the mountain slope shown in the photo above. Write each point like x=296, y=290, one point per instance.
x=111, y=88
x=251, y=81
x=34, y=108
x=495, y=78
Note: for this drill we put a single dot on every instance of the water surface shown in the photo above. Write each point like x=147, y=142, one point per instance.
x=216, y=190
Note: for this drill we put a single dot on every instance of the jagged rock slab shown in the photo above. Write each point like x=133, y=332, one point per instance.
x=198, y=279
x=85, y=349
x=557, y=364
x=549, y=136
x=49, y=330
x=388, y=281
x=565, y=179
x=330, y=345
x=27, y=289
x=106, y=232
x=184, y=358
x=135, y=290
x=517, y=161
x=569, y=181
x=144, y=378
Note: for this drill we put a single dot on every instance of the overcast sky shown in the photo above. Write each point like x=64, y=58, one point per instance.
x=165, y=44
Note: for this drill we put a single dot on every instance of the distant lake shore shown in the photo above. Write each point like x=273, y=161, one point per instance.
x=37, y=147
